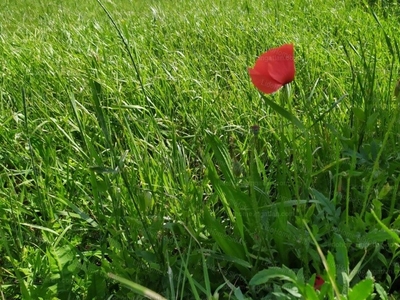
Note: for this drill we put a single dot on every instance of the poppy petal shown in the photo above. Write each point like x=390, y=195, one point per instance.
x=264, y=82
x=273, y=69
x=281, y=63
x=318, y=282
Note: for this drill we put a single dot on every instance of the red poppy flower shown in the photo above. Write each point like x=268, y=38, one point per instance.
x=273, y=69
x=318, y=282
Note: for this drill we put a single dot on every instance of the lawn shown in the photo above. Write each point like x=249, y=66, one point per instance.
x=138, y=160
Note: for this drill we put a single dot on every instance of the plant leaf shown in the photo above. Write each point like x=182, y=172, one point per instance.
x=362, y=290
x=273, y=273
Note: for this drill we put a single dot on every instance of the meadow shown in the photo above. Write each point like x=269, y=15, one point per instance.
x=137, y=159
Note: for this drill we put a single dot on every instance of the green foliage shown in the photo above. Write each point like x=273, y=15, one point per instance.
x=137, y=160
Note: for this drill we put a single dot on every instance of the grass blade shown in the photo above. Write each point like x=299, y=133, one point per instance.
x=137, y=288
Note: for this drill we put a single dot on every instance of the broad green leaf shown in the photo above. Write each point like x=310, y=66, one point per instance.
x=375, y=236
x=238, y=294
x=346, y=283
x=341, y=255
x=381, y=292
x=61, y=261
x=383, y=259
x=273, y=273
x=292, y=289
x=362, y=290
x=342, y=261
x=310, y=293
x=331, y=266
x=390, y=232
x=300, y=276
x=97, y=286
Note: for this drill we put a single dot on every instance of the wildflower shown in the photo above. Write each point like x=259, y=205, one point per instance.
x=273, y=69
x=318, y=282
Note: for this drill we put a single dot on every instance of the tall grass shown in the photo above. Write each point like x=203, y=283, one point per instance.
x=166, y=174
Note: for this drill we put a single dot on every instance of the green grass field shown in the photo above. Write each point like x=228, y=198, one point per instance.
x=131, y=168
